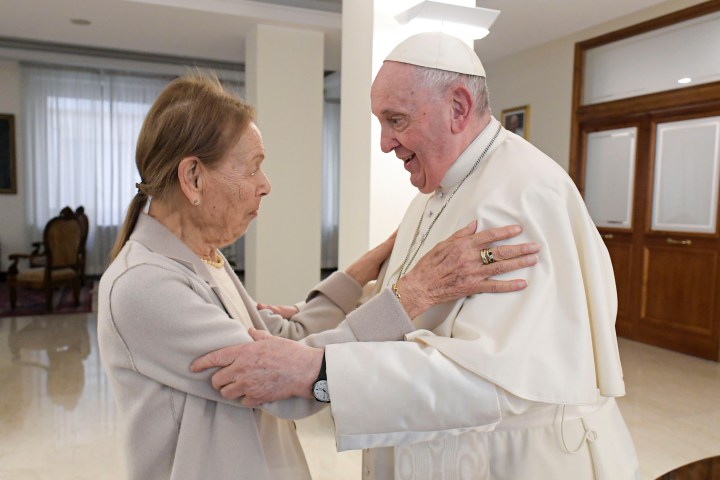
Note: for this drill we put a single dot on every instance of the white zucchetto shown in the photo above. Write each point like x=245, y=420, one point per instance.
x=438, y=50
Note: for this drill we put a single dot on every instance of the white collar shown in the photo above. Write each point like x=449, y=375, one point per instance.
x=465, y=161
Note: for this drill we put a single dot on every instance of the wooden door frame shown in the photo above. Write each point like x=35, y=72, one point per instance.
x=643, y=112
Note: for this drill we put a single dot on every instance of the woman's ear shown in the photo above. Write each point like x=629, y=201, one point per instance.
x=463, y=104
x=190, y=176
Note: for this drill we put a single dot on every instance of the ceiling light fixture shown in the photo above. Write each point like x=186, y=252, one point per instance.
x=472, y=22
x=685, y=80
x=80, y=21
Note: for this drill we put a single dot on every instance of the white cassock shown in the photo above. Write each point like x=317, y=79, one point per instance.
x=497, y=386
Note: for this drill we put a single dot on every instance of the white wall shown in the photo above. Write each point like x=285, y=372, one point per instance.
x=13, y=232
x=542, y=78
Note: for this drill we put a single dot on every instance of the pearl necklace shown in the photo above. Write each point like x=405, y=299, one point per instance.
x=218, y=264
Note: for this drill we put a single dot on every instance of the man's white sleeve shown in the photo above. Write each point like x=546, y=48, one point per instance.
x=395, y=393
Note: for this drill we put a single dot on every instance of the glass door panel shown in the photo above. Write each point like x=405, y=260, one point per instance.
x=610, y=177
x=685, y=192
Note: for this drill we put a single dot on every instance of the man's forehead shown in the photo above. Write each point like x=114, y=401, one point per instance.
x=393, y=75
x=391, y=90
x=390, y=70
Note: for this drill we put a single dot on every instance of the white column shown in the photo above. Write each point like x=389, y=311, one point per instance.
x=375, y=189
x=355, y=123
x=284, y=81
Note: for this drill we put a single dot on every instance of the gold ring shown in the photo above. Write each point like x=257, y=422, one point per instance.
x=486, y=256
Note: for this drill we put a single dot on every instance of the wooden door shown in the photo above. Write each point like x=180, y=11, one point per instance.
x=651, y=186
x=609, y=185
x=681, y=246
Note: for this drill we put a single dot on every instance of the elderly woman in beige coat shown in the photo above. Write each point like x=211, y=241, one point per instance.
x=169, y=295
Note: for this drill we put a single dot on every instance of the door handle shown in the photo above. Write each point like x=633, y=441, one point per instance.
x=608, y=236
x=672, y=241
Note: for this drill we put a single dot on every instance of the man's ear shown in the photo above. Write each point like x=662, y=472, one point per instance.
x=463, y=104
x=191, y=178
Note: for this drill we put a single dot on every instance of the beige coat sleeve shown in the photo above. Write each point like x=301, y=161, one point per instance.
x=329, y=315
x=165, y=319
x=325, y=307
x=381, y=318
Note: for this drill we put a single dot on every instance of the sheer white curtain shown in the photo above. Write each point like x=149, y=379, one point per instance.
x=81, y=128
x=331, y=184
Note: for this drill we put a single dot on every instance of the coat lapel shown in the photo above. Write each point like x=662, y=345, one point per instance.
x=159, y=239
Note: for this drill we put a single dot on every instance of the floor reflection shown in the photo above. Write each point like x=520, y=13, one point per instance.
x=57, y=416
x=65, y=343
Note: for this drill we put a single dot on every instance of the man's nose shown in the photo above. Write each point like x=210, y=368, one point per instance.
x=388, y=142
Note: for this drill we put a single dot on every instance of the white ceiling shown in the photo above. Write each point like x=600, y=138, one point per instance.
x=215, y=29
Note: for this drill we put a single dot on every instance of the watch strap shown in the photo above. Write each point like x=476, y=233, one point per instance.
x=322, y=375
x=320, y=387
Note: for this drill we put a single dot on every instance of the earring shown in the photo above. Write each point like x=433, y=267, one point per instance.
x=196, y=202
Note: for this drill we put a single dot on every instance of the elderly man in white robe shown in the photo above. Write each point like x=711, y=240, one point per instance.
x=513, y=386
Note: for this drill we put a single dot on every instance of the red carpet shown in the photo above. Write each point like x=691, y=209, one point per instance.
x=32, y=302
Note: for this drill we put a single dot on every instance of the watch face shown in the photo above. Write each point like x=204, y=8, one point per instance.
x=320, y=390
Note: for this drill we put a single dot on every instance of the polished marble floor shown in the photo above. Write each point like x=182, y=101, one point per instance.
x=58, y=422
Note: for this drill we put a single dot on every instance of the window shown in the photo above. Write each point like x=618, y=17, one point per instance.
x=81, y=127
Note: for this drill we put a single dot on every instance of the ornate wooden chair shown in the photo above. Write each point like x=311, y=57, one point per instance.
x=38, y=252
x=61, y=251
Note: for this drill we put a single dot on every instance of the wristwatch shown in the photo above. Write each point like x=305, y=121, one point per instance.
x=320, y=387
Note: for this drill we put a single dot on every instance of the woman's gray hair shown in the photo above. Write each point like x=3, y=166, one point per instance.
x=440, y=80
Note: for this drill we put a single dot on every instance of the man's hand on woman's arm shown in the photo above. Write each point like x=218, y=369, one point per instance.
x=269, y=369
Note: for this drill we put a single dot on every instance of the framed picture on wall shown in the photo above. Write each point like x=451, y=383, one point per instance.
x=7, y=154
x=516, y=120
